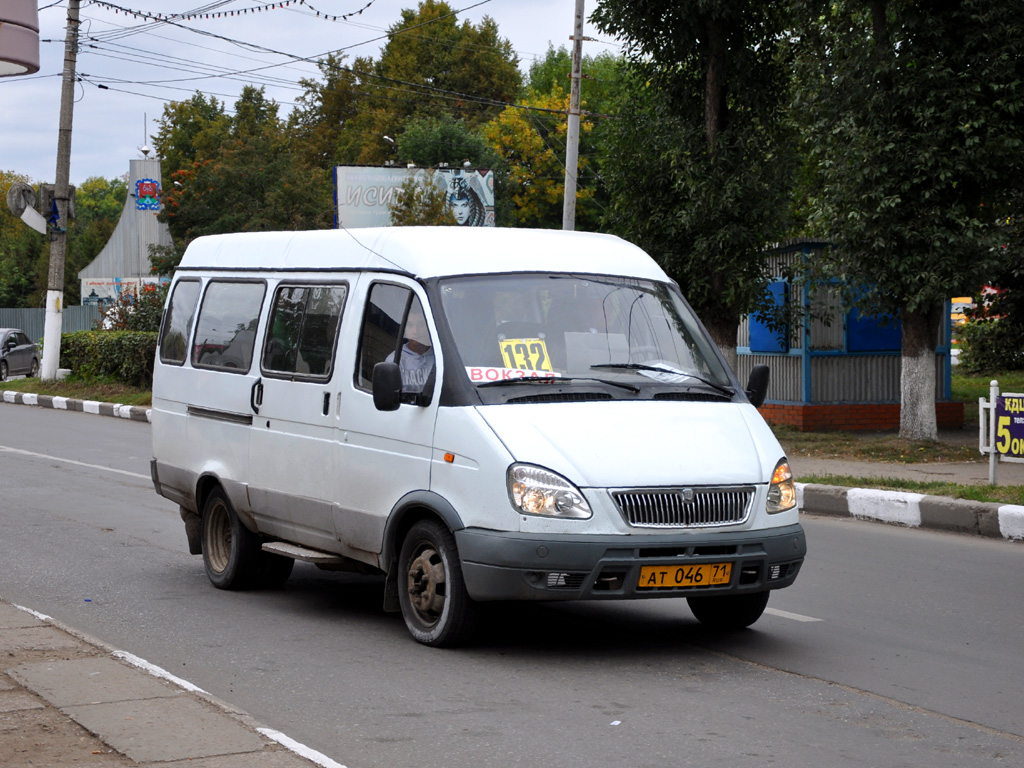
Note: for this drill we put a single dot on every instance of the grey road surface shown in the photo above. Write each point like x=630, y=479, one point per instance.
x=894, y=648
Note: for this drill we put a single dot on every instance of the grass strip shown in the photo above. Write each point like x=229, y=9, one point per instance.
x=998, y=494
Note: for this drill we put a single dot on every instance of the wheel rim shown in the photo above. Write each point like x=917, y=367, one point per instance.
x=3, y=371
x=35, y=369
x=218, y=537
x=427, y=584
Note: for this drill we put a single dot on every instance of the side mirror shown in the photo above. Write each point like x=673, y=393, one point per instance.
x=757, y=385
x=387, y=386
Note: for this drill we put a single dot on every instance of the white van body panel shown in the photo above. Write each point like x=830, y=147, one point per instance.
x=424, y=251
x=474, y=480
x=634, y=444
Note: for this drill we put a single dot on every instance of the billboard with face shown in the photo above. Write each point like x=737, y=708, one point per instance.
x=363, y=194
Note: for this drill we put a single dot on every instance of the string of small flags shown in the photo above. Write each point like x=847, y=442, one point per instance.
x=225, y=14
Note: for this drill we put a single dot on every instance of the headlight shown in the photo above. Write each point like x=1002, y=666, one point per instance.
x=782, y=493
x=536, y=491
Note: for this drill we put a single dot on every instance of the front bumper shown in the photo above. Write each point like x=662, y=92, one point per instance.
x=518, y=566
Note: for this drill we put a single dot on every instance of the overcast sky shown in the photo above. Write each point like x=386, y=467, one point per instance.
x=144, y=64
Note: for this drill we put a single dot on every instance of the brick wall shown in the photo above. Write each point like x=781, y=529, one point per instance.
x=866, y=417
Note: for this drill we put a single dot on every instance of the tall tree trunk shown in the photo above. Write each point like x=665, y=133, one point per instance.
x=917, y=376
x=716, y=111
x=723, y=333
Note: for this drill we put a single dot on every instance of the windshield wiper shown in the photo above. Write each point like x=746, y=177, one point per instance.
x=660, y=369
x=556, y=379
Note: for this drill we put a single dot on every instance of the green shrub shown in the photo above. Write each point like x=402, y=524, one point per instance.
x=126, y=356
x=991, y=345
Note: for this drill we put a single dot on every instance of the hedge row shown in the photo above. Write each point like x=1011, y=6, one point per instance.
x=124, y=355
x=991, y=345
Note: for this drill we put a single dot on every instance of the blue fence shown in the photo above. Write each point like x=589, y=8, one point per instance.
x=33, y=321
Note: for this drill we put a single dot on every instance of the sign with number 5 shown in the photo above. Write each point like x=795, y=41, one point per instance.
x=1010, y=425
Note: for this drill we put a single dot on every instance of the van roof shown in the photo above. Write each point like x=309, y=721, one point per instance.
x=424, y=251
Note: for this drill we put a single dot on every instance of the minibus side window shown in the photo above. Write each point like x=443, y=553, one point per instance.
x=395, y=330
x=226, y=328
x=302, y=330
x=177, y=326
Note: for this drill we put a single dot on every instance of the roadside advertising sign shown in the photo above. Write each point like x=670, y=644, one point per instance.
x=1009, y=437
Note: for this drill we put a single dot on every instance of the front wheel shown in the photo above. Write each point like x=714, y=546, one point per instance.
x=3, y=370
x=231, y=552
x=729, y=612
x=435, y=604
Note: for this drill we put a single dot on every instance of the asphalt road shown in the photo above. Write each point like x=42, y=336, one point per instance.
x=895, y=647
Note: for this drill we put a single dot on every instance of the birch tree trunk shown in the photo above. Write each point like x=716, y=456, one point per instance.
x=917, y=375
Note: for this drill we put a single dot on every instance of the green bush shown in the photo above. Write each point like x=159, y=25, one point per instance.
x=991, y=345
x=126, y=356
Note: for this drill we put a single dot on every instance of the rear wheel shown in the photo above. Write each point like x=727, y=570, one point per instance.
x=729, y=612
x=33, y=371
x=231, y=552
x=3, y=370
x=435, y=605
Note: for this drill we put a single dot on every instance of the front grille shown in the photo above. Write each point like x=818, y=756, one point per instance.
x=684, y=507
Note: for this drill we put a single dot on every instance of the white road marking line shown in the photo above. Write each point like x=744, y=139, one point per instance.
x=72, y=461
x=300, y=749
x=155, y=671
x=788, y=615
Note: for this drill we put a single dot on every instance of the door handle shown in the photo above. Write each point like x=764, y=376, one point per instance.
x=256, y=396
x=327, y=403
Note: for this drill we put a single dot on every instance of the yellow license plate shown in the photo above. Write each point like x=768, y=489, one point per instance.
x=678, y=576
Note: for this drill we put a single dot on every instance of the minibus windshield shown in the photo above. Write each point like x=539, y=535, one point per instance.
x=578, y=327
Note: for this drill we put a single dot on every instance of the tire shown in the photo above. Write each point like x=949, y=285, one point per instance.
x=431, y=590
x=3, y=370
x=231, y=552
x=729, y=612
x=33, y=371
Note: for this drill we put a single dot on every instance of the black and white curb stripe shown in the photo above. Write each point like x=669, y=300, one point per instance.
x=133, y=412
x=914, y=510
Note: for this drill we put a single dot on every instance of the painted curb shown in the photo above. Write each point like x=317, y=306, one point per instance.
x=914, y=510
x=132, y=412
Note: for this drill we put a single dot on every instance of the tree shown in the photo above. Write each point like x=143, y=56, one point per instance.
x=325, y=109
x=434, y=142
x=603, y=80
x=912, y=113
x=528, y=143
x=255, y=178
x=188, y=130
x=21, y=249
x=700, y=163
x=421, y=203
x=98, y=206
x=431, y=67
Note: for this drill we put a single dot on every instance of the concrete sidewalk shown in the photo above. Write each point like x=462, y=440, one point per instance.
x=66, y=699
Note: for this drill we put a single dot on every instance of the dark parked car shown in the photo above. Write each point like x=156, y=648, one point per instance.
x=18, y=354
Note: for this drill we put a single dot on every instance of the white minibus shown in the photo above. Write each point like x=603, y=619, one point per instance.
x=477, y=414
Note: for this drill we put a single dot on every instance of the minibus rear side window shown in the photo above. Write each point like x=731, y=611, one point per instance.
x=226, y=328
x=302, y=330
x=177, y=326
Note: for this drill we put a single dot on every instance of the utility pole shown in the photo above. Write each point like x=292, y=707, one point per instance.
x=572, y=137
x=58, y=244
